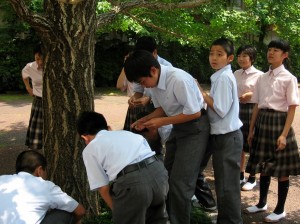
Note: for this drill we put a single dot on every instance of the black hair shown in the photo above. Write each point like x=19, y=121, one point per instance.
x=249, y=50
x=146, y=43
x=285, y=47
x=138, y=64
x=29, y=160
x=226, y=44
x=38, y=49
x=90, y=123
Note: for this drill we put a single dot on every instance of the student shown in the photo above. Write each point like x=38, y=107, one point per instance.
x=140, y=181
x=33, y=72
x=142, y=96
x=27, y=197
x=275, y=149
x=226, y=140
x=246, y=79
x=178, y=101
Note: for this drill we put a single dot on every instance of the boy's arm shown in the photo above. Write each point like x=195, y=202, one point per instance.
x=208, y=100
x=281, y=141
x=139, y=124
x=79, y=212
x=105, y=194
x=177, y=119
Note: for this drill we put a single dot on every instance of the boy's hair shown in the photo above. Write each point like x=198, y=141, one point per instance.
x=226, y=44
x=138, y=64
x=146, y=43
x=249, y=50
x=90, y=123
x=38, y=49
x=280, y=44
x=28, y=161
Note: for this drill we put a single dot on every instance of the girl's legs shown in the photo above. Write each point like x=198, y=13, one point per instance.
x=264, y=188
x=283, y=188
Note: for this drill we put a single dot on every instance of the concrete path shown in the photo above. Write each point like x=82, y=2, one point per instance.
x=14, y=118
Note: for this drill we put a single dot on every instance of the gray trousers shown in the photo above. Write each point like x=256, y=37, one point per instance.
x=56, y=216
x=139, y=197
x=184, y=152
x=227, y=150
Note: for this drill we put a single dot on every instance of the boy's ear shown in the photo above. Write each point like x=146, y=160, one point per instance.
x=154, y=53
x=230, y=58
x=153, y=71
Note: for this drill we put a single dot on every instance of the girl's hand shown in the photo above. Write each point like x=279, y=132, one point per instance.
x=281, y=143
x=250, y=138
x=246, y=97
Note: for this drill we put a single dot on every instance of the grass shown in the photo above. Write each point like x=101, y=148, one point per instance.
x=11, y=97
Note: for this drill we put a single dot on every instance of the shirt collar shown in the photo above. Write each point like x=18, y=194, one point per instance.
x=277, y=70
x=162, y=78
x=219, y=72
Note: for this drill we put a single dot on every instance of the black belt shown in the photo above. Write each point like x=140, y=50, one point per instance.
x=38, y=97
x=203, y=111
x=136, y=166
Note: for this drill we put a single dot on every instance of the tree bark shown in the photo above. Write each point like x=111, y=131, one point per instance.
x=68, y=37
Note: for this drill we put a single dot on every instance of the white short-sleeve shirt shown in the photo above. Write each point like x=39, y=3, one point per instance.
x=109, y=152
x=36, y=75
x=25, y=198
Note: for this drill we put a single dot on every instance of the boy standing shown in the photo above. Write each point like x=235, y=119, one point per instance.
x=140, y=185
x=178, y=101
x=226, y=137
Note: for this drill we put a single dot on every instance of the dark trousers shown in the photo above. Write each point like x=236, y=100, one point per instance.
x=184, y=152
x=56, y=216
x=227, y=150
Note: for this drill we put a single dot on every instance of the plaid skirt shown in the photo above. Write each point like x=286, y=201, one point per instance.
x=34, y=137
x=245, y=116
x=263, y=157
x=131, y=117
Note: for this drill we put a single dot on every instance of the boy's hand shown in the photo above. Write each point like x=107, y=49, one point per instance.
x=154, y=123
x=138, y=125
x=281, y=143
x=141, y=102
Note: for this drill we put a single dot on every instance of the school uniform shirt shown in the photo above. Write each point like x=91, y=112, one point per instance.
x=277, y=89
x=36, y=75
x=225, y=117
x=164, y=133
x=109, y=152
x=176, y=92
x=25, y=198
x=246, y=80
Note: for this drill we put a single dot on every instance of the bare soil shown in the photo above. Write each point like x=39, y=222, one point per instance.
x=14, y=118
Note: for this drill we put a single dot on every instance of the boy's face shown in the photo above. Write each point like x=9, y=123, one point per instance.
x=218, y=57
x=151, y=81
x=244, y=61
x=276, y=56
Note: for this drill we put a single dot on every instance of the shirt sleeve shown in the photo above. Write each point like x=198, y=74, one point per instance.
x=222, y=96
x=25, y=71
x=60, y=200
x=293, y=92
x=97, y=176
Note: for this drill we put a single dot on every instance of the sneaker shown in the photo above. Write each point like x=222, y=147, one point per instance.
x=249, y=186
x=274, y=217
x=208, y=208
x=255, y=209
x=243, y=181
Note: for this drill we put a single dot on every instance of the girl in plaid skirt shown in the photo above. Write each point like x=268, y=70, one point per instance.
x=246, y=79
x=271, y=136
x=33, y=72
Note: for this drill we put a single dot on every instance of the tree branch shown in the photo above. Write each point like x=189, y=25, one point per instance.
x=123, y=7
x=39, y=23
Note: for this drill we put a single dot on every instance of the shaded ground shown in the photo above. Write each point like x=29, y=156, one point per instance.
x=14, y=117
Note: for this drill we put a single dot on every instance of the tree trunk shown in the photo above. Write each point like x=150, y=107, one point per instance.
x=68, y=90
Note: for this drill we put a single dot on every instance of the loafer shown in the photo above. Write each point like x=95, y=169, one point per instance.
x=274, y=217
x=255, y=209
x=248, y=186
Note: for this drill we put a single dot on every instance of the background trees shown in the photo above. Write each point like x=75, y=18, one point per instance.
x=85, y=42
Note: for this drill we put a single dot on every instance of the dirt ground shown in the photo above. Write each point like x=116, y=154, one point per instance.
x=14, y=120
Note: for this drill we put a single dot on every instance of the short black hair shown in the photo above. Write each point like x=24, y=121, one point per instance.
x=38, y=49
x=146, y=43
x=90, y=123
x=226, y=44
x=138, y=64
x=29, y=160
x=249, y=50
x=280, y=44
